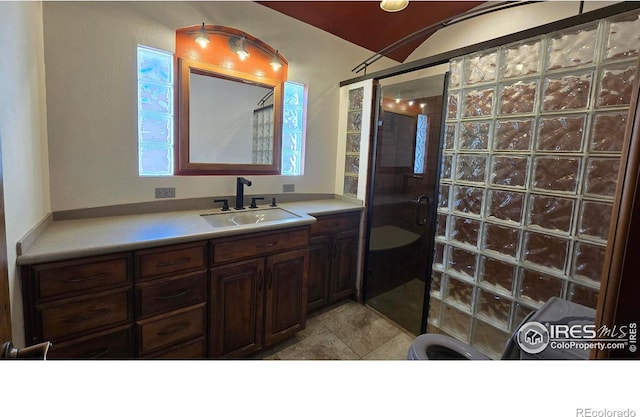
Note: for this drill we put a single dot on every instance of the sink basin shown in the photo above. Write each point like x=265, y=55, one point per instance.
x=249, y=216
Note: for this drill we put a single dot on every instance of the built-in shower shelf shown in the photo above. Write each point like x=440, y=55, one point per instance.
x=390, y=237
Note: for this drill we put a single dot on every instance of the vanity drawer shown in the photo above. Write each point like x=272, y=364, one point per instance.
x=335, y=223
x=189, y=350
x=112, y=344
x=152, y=263
x=74, y=316
x=233, y=250
x=61, y=279
x=169, y=294
x=170, y=328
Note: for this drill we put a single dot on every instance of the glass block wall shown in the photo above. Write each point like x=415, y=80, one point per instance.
x=293, y=127
x=354, y=132
x=421, y=145
x=262, y=141
x=532, y=147
x=155, y=112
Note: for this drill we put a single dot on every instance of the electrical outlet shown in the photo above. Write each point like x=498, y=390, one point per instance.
x=288, y=188
x=166, y=192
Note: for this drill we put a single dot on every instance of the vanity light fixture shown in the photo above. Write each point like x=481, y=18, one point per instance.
x=202, y=39
x=239, y=46
x=411, y=102
x=237, y=42
x=422, y=105
x=275, y=62
x=393, y=5
x=397, y=98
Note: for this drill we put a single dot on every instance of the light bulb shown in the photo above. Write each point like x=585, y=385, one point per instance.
x=242, y=50
x=393, y=5
x=275, y=62
x=202, y=39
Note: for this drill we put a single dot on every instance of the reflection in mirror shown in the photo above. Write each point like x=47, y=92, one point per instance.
x=228, y=122
x=411, y=104
x=235, y=130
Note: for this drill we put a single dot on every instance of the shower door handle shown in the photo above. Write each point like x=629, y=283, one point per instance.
x=421, y=221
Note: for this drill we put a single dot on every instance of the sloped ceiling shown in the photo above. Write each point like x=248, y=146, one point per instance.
x=365, y=24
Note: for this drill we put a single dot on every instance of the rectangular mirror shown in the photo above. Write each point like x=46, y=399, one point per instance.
x=229, y=122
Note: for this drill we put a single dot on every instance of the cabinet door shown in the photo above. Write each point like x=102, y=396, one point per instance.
x=319, y=272
x=236, y=308
x=286, y=298
x=344, y=265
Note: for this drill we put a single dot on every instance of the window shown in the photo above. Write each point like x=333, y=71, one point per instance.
x=421, y=145
x=155, y=117
x=294, y=116
x=155, y=112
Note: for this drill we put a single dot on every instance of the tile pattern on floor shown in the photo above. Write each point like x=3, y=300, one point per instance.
x=350, y=331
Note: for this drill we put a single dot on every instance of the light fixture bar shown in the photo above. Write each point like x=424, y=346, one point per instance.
x=237, y=42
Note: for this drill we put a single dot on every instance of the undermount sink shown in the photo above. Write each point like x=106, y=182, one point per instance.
x=249, y=216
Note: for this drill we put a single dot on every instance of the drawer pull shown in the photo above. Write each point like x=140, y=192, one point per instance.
x=268, y=245
x=89, y=278
x=176, y=262
x=334, y=224
x=178, y=295
x=173, y=329
x=92, y=315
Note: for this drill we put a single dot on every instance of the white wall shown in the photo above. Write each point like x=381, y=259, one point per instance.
x=23, y=133
x=91, y=95
x=494, y=25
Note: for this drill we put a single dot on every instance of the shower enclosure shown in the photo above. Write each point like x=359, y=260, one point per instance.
x=532, y=146
x=522, y=178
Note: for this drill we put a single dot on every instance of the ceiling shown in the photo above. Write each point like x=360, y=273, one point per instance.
x=365, y=24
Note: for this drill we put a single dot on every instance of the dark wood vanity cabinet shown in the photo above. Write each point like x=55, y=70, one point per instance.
x=171, y=302
x=225, y=298
x=258, y=291
x=83, y=306
x=149, y=303
x=333, y=259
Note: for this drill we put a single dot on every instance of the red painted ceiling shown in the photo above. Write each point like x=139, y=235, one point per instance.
x=365, y=24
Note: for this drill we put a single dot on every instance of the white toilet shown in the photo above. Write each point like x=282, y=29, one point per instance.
x=437, y=346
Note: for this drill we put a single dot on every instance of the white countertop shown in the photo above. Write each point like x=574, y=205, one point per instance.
x=69, y=239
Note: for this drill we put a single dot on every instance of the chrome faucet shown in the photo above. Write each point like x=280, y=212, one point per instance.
x=240, y=183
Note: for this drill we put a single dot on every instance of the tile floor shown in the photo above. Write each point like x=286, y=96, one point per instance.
x=349, y=331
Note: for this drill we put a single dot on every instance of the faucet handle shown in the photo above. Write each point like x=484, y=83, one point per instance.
x=225, y=203
x=253, y=201
x=273, y=202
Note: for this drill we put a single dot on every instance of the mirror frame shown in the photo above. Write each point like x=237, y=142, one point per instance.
x=183, y=164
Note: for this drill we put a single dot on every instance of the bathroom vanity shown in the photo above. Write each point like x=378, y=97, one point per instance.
x=171, y=285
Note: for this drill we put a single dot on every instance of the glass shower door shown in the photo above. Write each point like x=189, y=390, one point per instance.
x=401, y=189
